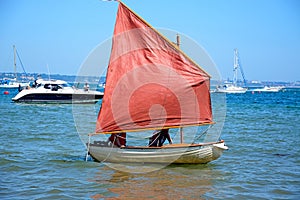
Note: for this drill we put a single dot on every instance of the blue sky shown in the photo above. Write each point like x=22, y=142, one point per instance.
x=61, y=34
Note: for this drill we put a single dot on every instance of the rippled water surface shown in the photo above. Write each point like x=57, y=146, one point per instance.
x=42, y=156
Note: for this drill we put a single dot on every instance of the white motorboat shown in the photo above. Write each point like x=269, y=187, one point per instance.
x=56, y=91
x=12, y=83
x=268, y=89
x=231, y=89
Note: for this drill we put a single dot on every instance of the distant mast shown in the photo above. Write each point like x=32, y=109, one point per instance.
x=48, y=72
x=235, y=67
x=15, y=64
x=178, y=40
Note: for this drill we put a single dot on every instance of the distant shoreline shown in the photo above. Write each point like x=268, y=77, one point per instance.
x=95, y=79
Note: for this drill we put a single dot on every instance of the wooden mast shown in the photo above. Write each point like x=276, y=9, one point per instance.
x=181, y=129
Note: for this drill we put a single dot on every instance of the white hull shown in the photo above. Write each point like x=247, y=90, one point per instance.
x=14, y=85
x=268, y=89
x=61, y=96
x=184, y=154
x=57, y=91
x=231, y=90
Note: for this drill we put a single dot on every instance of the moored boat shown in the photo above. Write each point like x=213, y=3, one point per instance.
x=12, y=83
x=233, y=87
x=269, y=89
x=230, y=89
x=56, y=91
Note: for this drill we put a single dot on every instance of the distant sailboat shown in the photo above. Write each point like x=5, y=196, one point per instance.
x=233, y=87
x=151, y=85
x=13, y=83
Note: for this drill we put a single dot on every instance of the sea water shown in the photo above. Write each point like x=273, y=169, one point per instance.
x=42, y=156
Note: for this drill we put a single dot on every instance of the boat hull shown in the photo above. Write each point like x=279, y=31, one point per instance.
x=183, y=154
x=56, y=91
x=13, y=85
x=231, y=90
x=59, y=98
x=268, y=89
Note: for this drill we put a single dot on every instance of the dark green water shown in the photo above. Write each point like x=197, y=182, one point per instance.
x=42, y=156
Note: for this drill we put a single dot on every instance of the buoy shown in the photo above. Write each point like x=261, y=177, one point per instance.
x=5, y=92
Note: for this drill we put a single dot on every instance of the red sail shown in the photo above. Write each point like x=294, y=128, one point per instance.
x=150, y=83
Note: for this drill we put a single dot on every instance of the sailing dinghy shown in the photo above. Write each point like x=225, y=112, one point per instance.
x=151, y=85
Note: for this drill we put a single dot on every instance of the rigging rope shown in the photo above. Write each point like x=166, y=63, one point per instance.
x=21, y=63
x=157, y=135
x=88, y=149
x=242, y=72
x=203, y=133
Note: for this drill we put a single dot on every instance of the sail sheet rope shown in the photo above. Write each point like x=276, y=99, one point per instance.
x=203, y=133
